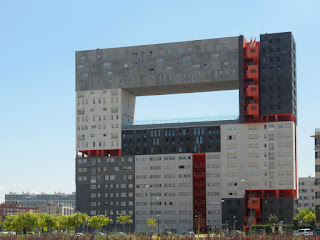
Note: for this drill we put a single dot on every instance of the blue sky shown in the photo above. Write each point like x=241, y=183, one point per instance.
x=38, y=43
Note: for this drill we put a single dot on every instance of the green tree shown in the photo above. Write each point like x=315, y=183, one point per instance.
x=99, y=221
x=28, y=221
x=11, y=224
x=273, y=219
x=307, y=216
x=41, y=224
x=62, y=223
x=49, y=222
x=151, y=222
x=77, y=220
x=123, y=220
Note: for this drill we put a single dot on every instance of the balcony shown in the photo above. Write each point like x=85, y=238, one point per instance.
x=253, y=109
x=253, y=72
x=253, y=53
x=253, y=91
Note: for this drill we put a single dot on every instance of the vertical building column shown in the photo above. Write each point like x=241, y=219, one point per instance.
x=251, y=94
x=199, y=191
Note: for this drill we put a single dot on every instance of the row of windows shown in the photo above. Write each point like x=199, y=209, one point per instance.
x=167, y=212
x=97, y=144
x=157, y=176
x=305, y=197
x=306, y=205
x=168, y=141
x=114, y=92
x=166, y=167
x=171, y=149
x=112, y=213
x=170, y=132
x=111, y=194
x=94, y=161
x=270, y=50
x=113, y=117
x=141, y=80
x=129, y=75
x=153, y=53
x=98, y=101
x=94, y=170
x=98, y=118
x=173, y=222
x=167, y=194
x=144, y=159
x=99, y=126
x=166, y=203
x=270, y=40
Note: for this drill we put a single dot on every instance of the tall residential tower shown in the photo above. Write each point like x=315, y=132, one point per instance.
x=194, y=174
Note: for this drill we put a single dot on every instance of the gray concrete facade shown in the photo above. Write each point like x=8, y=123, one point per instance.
x=192, y=66
x=105, y=185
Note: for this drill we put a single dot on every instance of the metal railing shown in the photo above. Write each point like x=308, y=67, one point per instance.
x=180, y=120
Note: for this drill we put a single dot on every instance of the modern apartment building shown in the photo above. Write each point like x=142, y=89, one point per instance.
x=306, y=193
x=317, y=172
x=37, y=200
x=190, y=175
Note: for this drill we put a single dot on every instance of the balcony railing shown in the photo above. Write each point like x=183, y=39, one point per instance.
x=180, y=120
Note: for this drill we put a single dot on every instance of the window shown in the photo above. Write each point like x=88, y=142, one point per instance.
x=109, y=74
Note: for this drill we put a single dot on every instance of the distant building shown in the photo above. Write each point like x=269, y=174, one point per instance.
x=7, y=209
x=37, y=200
x=53, y=208
x=306, y=193
x=317, y=171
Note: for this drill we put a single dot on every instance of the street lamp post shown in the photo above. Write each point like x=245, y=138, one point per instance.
x=148, y=186
x=222, y=201
x=234, y=222
x=158, y=225
x=242, y=180
x=198, y=217
x=155, y=213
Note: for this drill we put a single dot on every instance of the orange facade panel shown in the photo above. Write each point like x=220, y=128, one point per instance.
x=253, y=72
x=252, y=52
x=253, y=109
x=253, y=91
x=254, y=203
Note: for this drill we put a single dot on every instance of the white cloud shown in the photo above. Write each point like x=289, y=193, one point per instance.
x=16, y=185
